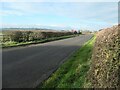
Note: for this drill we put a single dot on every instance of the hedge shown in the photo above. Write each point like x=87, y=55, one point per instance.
x=105, y=65
x=23, y=36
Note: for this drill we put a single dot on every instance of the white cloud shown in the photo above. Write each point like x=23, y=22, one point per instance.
x=91, y=12
x=8, y=12
x=78, y=10
x=17, y=8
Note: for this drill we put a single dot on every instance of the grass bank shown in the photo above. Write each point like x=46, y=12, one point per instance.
x=72, y=74
x=15, y=44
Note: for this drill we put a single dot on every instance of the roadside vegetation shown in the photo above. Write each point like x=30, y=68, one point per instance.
x=73, y=73
x=22, y=38
x=105, y=66
x=91, y=67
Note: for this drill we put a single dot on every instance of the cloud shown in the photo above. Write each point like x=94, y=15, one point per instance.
x=20, y=8
x=89, y=14
x=73, y=10
x=9, y=12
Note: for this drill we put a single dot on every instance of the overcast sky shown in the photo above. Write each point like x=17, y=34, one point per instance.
x=77, y=15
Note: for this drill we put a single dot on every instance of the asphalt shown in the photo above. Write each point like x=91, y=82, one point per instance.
x=27, y=67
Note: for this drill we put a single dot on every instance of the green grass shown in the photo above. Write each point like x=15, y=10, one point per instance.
x=15, y=44
x=73, y=73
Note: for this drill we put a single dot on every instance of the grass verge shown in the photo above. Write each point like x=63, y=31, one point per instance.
x=73, y=73
x=15, y=44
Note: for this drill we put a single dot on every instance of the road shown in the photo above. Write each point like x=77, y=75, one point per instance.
x=27, y=67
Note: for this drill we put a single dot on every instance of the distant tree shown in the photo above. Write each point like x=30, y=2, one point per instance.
x=79, y=32
x=75, y=32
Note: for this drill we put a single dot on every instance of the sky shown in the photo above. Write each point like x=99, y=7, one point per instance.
x=59, y=15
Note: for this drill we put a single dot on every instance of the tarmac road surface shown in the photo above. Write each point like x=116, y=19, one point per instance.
x=27, y=67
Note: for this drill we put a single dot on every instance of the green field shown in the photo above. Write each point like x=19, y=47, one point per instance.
x=73, y=73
